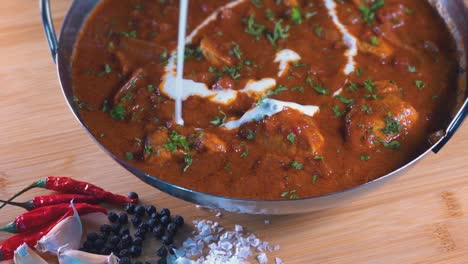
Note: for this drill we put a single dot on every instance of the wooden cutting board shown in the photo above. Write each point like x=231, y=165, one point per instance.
x=421, y=217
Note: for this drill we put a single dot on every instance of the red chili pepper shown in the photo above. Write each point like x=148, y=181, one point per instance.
x=8, y=247
x=69, y=185
x=38, y=218
x=46, y=200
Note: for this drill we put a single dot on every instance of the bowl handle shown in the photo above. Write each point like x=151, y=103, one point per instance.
x=454, y=125
x=49, y=27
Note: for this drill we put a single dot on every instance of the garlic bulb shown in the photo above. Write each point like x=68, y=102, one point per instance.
x=25, y=255
x=79, y=257
x=67, y=233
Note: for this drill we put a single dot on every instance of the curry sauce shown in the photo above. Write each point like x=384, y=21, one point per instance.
x=331, y=94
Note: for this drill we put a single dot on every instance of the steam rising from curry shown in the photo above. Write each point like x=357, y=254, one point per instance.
x=282, y=99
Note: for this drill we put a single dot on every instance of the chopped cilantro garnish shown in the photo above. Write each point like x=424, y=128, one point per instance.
x=245, y=153
x=298, y=88
x=411, y=69
x=318, y=157
x=310, y=14
x=344, y=99
x=148, y=149
x=129, y=155
x=314, y=179
x=365, y=157
x=233, y=71
x=250, y=135
x=352, y=87
x=235, y=50
x=257, y=3
x=118, y=112
x=369, y=86
x=194, y=52
x=368, y=12
x=336, y=111
x=105, y=105
x=254, y=28
x=279, y=32
x=318, y=31
x=107, y=68
x=374, y=41
x=188, y=161
x=296, y=165
x=318, y=87
x=391, y=125
x=291, y=138
x=358, y=72
x=292, y=194
x=409, y=10
x=150, y=88
x=177, y=141
x=296, y=15
x=279, y=89
x=219, y=120
x=419, y=84
x=269, y=14
x=392, y=144
x=366, y=109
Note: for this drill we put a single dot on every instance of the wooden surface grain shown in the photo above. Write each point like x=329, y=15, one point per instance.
x=420, y=217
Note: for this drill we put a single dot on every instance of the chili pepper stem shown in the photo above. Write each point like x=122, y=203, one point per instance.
x=26, y=205
x=41, y=183
x=10, y=228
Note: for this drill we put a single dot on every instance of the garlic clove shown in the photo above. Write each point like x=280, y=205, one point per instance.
x=66, y=256
x=25, y=255
x=67, y=232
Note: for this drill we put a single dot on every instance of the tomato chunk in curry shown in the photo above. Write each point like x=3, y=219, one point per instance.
x=283, y=99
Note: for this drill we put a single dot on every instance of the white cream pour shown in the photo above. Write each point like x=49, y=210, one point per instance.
x=349, y=40
x=338, y=92
x=284, y=58
x=212, y=18
x=269, y=107
x=180, y=61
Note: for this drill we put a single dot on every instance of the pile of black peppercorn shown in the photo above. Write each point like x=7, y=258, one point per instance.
x=116, y=238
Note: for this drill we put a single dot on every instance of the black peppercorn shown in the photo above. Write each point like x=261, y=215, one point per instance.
x=165, y=211
x=130, y=208
x=125, y=260
x=172, y=228
x=158, y=231
x=167, y=240
x=136, y=220
x=99, y=243
x=112, y=216
x=165, y=220
x=152, y=222
x=150, y=209
x=124, y=232
x=116, y=228
x=135, y=251
x=92, y=236
x=162, y=252
x=124, y=253
x=123, y=218
x=106, y=229
x=178, y=220
x=160, y=261
x=133, y=195
x=138, y=241
x=114, y=240
x=140, y=210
